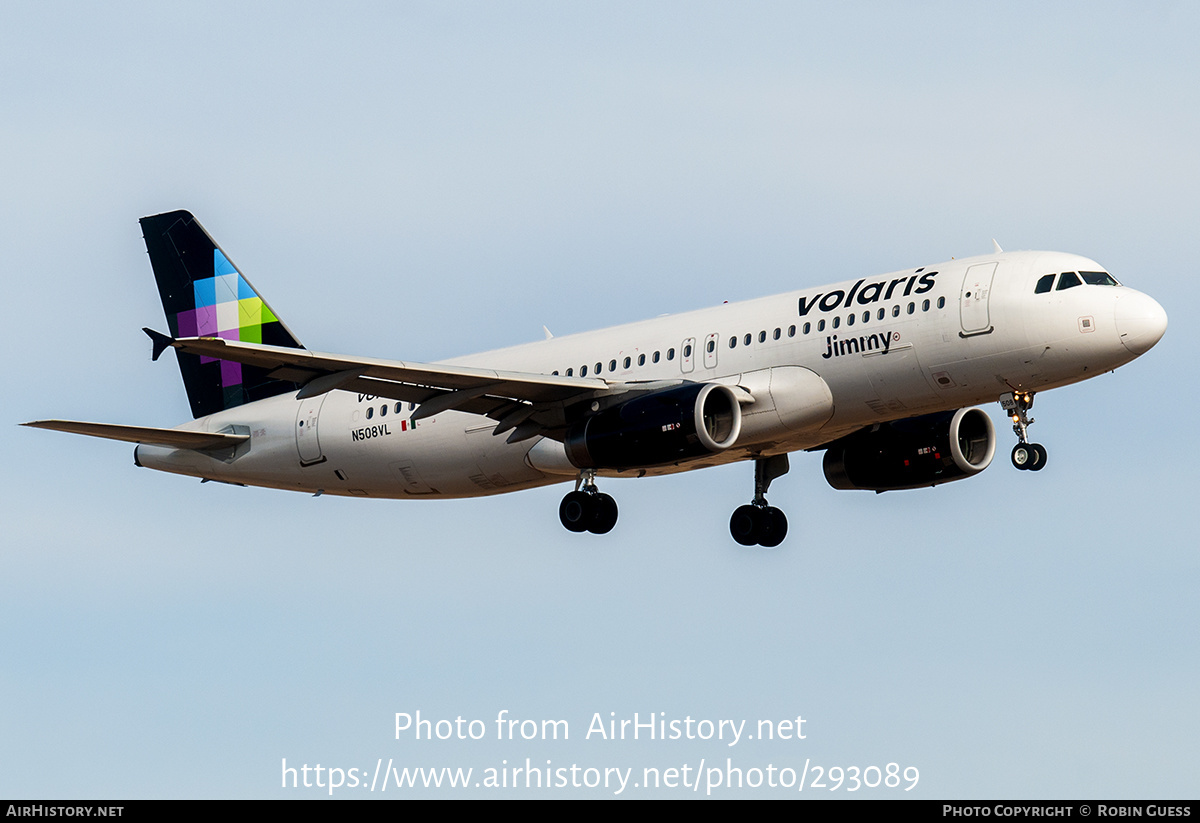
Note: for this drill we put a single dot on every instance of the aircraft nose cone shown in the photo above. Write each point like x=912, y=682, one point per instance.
x=1141, y=322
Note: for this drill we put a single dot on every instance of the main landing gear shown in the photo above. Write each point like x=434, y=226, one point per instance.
x=587, y=509
x=1025, y=455
x=757, y=523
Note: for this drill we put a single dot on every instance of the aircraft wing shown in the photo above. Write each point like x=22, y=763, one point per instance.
x=530, y=403
x=174, y=438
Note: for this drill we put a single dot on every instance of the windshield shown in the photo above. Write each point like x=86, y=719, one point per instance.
x=1098, y=278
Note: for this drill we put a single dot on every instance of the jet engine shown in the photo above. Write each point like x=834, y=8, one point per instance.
x=913, y=453
x=657, y=428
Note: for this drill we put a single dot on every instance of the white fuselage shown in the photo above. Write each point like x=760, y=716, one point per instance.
x=887, y=347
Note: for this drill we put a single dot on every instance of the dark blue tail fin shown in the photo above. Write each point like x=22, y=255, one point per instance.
x=204, y=295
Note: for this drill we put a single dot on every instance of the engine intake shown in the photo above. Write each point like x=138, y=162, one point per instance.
x=914, y=453
x=654, y=429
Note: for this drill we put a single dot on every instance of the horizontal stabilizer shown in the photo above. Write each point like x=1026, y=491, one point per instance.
x=173, y=438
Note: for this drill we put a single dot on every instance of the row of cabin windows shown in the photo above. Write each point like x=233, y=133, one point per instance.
x=748, y=338
x=383, y=410
x=880, y=314
x=1043, y=285
x=627, y=362
x=687, y=352
x=1070, y=279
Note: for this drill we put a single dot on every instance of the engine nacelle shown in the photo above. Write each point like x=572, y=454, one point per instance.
x=659, y=428
x=914, y=453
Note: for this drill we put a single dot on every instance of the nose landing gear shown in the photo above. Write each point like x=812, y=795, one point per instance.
x=759, y=524
x=1025, y=455
x=587, y=509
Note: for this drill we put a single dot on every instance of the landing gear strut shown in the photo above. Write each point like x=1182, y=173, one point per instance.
x=587, y=509
x=758, y=523
x=1025, y=455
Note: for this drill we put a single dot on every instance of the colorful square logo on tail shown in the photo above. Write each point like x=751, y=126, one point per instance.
x=226, y=307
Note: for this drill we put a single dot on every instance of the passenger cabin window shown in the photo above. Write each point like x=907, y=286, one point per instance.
x=612, y=365
x=1044, y=284
x=711, y=345
x=627, y=362
x=583, y=371
x=850, y=320
x=570, y=372
x=670, y=354
x=641, y=359
x=1067, y=280
x=762, y=337
x=733, y=342
x=896, y=310
x=777, y=333
x=687, y=350
x=748, y=339
x=792, y=330
x=941, y=303
x=655, y=358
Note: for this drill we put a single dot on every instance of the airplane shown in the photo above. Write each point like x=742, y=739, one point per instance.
x=883, y=374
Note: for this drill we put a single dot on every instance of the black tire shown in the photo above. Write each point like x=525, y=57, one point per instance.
x=575, y=511
x=604, y=514
x=772, y=527
x=1023, y=456
x=744, y=525
x=1039, y=462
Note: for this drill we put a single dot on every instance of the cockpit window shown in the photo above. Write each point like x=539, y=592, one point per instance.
x=1044, y=284
x=1098, y=278
x=1068, y=280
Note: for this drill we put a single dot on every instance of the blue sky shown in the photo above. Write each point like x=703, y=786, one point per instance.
x=420, y=181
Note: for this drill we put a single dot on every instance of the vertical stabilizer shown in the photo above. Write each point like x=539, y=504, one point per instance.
x=204, y=295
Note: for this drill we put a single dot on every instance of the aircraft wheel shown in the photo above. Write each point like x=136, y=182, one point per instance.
x=604, y=513
x=772, y=527
x=744, y=525
x=1039, y=462
x=1023, y=456
x=576, y=511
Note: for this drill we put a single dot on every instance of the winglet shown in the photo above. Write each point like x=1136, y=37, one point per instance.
x=161, y=342
x=997, y=246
